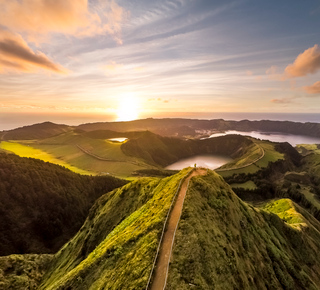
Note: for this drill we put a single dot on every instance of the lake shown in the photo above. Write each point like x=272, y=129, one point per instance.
x=273, y=136
x=207, y=161
x=120, y=140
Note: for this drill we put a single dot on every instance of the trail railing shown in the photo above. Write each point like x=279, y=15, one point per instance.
x=165, y=225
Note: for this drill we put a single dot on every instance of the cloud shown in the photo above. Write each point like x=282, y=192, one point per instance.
x=249, y=73
x=272, y=70
x=112, y=66
x=16, y=55
x=313, y=89
x=306, y=63
x=282, y=101
x=80, y=18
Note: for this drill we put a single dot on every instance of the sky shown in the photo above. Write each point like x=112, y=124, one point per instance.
x=106, y=60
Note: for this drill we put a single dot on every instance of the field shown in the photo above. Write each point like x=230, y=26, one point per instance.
x=79, y=154
x=26, y=150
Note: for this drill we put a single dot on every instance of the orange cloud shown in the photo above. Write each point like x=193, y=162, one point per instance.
x=282, y=101
x=313, y=89
x=306, y=63
x=37, y=18
x=272, y=70
x=16, y=55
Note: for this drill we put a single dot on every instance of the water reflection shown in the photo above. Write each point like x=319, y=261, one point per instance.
x=207, y=161
x=275, y=137
x=118, y=139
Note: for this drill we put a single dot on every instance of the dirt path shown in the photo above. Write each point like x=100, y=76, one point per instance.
x=244, y=166
x=2, y=137
x=162, y=265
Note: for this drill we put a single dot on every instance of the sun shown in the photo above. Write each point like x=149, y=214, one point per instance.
x=128, y=108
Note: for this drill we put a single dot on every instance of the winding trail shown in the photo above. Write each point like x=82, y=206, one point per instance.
x=243, y=166
x=162, y=265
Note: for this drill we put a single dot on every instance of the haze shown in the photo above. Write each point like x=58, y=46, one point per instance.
x=121, y=60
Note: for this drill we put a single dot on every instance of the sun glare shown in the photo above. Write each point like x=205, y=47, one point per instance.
x=128, y=109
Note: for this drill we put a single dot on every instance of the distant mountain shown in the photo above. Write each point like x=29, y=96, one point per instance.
x=36, y=131
x=184, y=127
x=164, y=127
x=42, y=204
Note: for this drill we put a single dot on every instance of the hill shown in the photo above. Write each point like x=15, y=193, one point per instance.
x=115, y=248
x=163, y=151
x=221, y=241
x=42, y=204
x=36, y=131
x=192, y=127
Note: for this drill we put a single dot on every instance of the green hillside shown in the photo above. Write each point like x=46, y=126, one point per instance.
x=42, y=204
x=223, y=243
x=36, y=131
x=79, y=153
x=115, y=247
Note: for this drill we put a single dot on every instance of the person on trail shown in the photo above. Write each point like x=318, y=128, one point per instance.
x=195, y=165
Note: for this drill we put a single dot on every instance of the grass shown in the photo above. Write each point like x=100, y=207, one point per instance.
x=312, y=158
x=285, y=209
x=22, y=271
x=313, y=198
x=24, y=150
x=223, y=243
x=250, y=185
x=115, y=248
x=96, y=157
x=270, y=155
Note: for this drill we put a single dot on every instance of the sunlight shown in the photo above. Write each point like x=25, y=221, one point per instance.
x=128, y=109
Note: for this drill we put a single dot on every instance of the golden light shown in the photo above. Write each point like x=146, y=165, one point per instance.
x=128, y=108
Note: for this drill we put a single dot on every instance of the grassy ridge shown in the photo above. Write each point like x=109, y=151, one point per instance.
x=223, y=243
x=253, y=153
x=115, y=249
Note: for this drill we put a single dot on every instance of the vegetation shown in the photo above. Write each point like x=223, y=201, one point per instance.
x=37, y=131
x=285, y=209
x=162, y=151
x=23, y=271
x=249, y=185
x=42, y=204
x=223, y=243
x=251, y=162
x=25, y=150
x=115, y=249
x=79, y=153
x=174, y=127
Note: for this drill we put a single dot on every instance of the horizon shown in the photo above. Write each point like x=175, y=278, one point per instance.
x=10, y=122
x=123, y=61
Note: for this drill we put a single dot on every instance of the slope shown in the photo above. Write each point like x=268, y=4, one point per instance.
x=223, y=243
x=115, y=247
x=43, y=205
x=36, y=131
x=80, y=153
